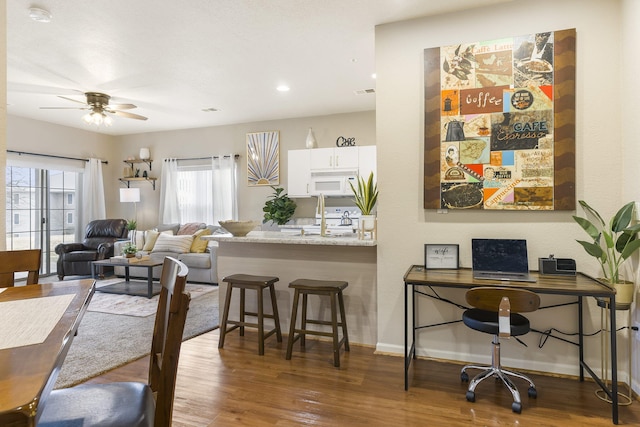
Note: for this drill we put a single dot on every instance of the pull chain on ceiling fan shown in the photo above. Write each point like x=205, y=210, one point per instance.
x=98, y=105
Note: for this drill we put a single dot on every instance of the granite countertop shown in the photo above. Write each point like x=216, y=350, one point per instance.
x=291, y=239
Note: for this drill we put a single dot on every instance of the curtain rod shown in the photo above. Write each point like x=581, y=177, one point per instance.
x=235, y=156
x=20, y=153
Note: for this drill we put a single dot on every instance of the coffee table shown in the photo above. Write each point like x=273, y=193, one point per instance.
x=127, y=286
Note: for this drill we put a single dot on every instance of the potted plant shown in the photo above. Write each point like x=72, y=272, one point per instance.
x=132, y=225
x=612, y=244
x=279, y=208
x=366, y=196
x=129, y=250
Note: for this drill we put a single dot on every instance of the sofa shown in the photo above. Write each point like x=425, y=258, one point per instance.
x=180, y=241
x=98, y=244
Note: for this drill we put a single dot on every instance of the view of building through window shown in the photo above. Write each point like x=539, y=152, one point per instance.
x=42, y=212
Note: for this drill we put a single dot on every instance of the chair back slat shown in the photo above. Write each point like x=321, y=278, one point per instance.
x=488, y=298
x=171, y=316
x=12, y=262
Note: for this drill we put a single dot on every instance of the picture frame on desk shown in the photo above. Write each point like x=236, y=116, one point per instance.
x=441, y=256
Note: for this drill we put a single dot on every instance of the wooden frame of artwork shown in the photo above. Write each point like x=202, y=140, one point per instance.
x=500, y=124
x=263, y=158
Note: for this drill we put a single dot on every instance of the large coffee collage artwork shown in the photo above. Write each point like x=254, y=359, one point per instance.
x=497, y=124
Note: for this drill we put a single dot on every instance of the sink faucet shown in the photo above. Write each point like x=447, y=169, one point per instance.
x=320, y=210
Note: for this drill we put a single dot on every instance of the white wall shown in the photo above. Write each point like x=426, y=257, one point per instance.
x=3, y=116
x=232, y=139
x=404, y=226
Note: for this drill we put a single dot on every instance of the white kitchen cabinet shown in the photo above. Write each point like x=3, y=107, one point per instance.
x=299, y=173
x=334, y=158
x=367, y=161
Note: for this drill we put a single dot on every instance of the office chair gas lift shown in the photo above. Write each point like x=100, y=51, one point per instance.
x=496, y=311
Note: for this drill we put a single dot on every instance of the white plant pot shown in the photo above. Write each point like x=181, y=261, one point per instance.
x=367, y=222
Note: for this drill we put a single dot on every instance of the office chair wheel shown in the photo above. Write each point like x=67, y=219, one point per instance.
x=464, y=377
x=516, y=407
x=532, y=392
x=471, y=396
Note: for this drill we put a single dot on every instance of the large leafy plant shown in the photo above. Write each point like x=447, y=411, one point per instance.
x=612, y=242
x=366, y=195
x=279, y=208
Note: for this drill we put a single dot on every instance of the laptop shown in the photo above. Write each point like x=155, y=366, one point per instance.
x=500, y=259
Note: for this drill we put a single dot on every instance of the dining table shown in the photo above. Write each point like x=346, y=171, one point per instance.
x=37, y=325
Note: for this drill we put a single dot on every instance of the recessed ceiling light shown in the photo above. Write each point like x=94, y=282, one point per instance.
x=39, y=15
x=374, y=76
x=283, y=88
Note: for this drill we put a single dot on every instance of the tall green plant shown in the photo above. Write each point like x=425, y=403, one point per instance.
x=279, y=208
x=613, y=242
x=366, y=195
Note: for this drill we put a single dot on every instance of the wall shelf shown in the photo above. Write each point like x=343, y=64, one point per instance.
x=132, y=177
x=128, y=180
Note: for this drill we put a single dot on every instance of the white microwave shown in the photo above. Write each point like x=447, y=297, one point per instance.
x=332, y=184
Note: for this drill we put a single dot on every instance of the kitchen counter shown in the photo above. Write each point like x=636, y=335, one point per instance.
x=291, y=239
x=292, y=256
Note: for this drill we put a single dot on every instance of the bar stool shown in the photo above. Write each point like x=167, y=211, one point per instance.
x=328, y=288
x=257, y=283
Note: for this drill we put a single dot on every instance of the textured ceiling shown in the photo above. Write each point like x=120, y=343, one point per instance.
x=173, y=59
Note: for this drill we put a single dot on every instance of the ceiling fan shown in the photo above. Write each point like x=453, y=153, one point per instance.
x=98, y=105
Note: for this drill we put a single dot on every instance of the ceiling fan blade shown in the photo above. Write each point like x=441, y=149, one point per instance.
x=65, y=108
x=71, y=99
x=127, y=115
x=122, y=106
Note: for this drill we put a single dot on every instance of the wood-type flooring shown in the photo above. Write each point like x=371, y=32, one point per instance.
x=236, y=387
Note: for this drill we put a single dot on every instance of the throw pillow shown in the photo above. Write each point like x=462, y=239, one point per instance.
x=137, y=238
x=190, y=228
x=168, y=227
x=176, y=244
x=200, y=245
x=150, y=237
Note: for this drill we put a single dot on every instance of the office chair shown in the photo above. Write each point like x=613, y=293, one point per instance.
x=486, y=316
x=131, y=404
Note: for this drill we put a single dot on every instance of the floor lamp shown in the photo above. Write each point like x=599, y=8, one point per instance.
x=131, y=195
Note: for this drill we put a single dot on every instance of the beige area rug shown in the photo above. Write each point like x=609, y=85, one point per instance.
x=129, y=305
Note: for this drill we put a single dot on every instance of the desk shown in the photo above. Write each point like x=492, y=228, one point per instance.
x=28, y=373
x=579, y=286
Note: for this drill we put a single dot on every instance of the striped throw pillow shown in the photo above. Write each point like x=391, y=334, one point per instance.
x=176, y=244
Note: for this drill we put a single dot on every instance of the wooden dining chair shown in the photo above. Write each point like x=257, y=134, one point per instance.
x=12, y=262
x=129, y=404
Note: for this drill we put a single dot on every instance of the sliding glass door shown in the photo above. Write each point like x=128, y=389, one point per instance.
x=41, y=211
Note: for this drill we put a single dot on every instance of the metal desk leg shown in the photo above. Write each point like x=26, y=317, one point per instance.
x=406, y=341
x=580, y=338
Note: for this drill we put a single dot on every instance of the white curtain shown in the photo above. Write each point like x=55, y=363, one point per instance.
x=93, y=204
x=224, y=188
x=169, y=209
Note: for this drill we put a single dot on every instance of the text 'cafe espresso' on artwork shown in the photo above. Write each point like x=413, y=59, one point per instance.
x=500, y=124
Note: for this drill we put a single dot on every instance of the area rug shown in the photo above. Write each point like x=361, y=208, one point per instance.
x=106, y=341
x=129, y=305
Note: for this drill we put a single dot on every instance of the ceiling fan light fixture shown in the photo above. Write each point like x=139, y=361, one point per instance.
x=97, y=118
x=39, y=15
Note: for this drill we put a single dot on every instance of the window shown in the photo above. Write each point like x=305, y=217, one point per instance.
x=41, y=208
x=207, y=192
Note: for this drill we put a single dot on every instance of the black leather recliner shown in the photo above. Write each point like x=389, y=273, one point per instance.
x=76, y=258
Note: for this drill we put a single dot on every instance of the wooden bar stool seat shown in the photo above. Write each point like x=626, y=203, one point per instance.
x=258, y=284
x=332, y=289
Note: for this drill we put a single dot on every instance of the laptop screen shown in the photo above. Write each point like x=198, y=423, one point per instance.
x=499, y=255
